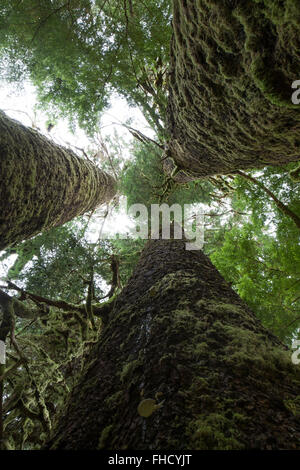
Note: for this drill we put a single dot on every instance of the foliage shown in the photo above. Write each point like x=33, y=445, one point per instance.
x=260, y=255
x=79, y=53
x=42, y=368
x=143, y=181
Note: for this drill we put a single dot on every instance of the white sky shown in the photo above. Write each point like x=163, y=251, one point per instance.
x=20, y=104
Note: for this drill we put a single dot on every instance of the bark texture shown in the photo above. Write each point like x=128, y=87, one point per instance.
x=43, y=185
x=180, y=337
x=230, y=86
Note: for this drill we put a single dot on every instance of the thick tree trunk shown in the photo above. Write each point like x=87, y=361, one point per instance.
x=180, y=336
x=43, y=185
x=231, y=73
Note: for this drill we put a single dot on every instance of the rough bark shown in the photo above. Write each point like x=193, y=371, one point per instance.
x=42, y=184
x=178, y=334
x=230, y=86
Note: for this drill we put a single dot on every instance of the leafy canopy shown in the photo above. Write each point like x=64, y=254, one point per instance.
x=78, y=53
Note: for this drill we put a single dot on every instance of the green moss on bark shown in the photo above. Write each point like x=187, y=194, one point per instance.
x=187, y=338
x=43, y=185
x=231, y=73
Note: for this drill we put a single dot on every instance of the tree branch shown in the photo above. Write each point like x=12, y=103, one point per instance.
x=282, y=207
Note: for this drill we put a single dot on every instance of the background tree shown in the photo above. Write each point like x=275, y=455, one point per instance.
x=43, y=185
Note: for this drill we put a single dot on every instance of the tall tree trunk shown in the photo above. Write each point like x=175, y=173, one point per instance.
x=230, y=86
x=43, y=185
x=181, y=338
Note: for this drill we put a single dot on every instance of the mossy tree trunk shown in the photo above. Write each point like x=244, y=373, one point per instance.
x=179, y=336
x=231, y=73
x=43, y=185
